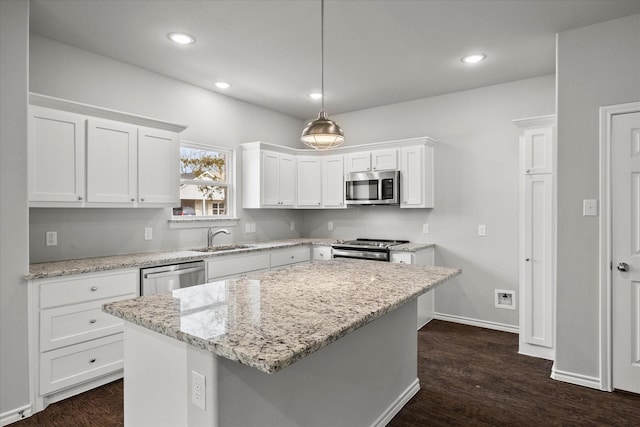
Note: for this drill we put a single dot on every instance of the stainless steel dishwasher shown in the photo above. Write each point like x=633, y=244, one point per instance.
x=165, y=278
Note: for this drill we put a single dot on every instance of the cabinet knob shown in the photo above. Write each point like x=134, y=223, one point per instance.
x=94, y=288
x=528, y=170
x=92, y=360
x=527, y=259
x=92, y=321
x=80, y=198
x=133, y=200
x=142, y=199
x=623, y=266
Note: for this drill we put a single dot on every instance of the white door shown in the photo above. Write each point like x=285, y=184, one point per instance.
x=270, y=182
x=158, y=167
x=333, y=181
x=287, y=180
x=625, y=194
x=309, y=181
x=412, y=171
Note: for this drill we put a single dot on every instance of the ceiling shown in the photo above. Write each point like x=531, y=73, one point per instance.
x=377, y=52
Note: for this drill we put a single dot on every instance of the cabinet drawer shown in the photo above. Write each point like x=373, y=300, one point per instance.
x=71, y=290
x=69, y=366
x=322, y=253
x=290, y=256
x=73, y=324
x=234, y=266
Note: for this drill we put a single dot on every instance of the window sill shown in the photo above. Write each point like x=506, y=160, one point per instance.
x=202, y=222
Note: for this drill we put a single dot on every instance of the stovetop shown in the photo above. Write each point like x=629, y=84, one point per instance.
x=371, y=243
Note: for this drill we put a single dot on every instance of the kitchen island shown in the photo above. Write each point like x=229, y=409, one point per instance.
x=330, y=343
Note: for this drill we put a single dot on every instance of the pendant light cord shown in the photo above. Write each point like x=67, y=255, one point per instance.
x=322, y=52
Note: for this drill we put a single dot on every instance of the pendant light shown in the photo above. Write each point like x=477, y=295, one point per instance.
x=322, y=133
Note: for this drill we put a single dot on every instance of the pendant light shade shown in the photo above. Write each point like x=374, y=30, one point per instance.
x=322, y=133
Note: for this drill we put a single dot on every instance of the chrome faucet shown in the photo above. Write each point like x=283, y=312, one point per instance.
x=211, y=234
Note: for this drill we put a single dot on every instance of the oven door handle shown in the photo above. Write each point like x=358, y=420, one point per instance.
x=173, y=273
x=337, y=253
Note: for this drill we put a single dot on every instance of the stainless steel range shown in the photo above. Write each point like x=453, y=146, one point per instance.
x=375, y=249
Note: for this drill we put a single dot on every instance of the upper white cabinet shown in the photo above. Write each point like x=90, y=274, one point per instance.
x=309, y=181
x=84, y=156
x=333, y=182
x=372, y=161
x=268, y=177
x=417, y=176
x=537, y=236
x=56, y=156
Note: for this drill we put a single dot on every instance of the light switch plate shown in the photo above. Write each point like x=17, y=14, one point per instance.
x=51, y=238
x=482, y=230
x=148, y=233
x=330, y=225
x=425, y=228
x=590, y=207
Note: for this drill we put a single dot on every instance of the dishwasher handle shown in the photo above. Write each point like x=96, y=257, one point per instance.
x=172, y=273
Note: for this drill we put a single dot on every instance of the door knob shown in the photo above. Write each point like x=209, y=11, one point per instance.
x=623, y=266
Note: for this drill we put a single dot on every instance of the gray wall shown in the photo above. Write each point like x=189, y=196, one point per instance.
x=211, y=119
x=14, y=367
x=598, y=65
x=476, y=183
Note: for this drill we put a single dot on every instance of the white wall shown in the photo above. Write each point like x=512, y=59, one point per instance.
x=14, y=367
x=65, y=72
x=476, y=183
x=598, y=65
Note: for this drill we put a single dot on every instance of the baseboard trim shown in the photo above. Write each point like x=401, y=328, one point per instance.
x=397, y=405
x=576, y=379
x=14, y=415
x=477, y=322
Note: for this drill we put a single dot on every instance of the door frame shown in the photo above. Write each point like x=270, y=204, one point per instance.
x=605, y=238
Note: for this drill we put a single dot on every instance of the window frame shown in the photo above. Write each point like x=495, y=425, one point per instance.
x=230, y=185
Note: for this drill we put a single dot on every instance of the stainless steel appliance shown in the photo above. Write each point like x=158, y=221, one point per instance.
x=375, y=249
x=372, y=188
x=154, y=280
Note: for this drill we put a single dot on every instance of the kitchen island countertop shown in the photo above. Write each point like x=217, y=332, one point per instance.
x=270, y=320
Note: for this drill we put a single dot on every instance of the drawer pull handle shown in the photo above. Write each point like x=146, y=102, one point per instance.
x=92, y=360
x=92, y=321
x=94, y=288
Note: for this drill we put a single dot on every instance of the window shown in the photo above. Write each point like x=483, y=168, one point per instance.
x=205, y=182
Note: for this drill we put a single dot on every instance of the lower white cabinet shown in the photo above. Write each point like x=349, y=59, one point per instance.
x=227, y=267
x=425, y=301
x=321, y=253
x=290, y=256
x=75, y=346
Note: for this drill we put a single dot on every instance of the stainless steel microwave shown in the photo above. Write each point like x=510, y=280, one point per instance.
x=372, y=188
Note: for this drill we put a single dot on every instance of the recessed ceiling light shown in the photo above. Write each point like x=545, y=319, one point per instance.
x=315, y=95
x=181, y=38
x=222, y=85
x=473, y=58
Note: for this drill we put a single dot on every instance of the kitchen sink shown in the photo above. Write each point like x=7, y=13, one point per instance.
x=221, y=248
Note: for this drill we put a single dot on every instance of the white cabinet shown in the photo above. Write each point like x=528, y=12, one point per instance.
x=289, y=256
x=372, y=161
x=90, y=160
x=321, y=253
x=226, y=267
x=268, y=178
x=333, y=182
x=417, y=176
x=537, y=236
x=56, y=156
x=309, y=171
x=75, y=345
x=426, y=301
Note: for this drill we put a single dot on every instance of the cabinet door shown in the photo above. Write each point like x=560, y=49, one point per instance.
x=359, y=162
x=287, y=180
x=538, y=276
x=270, y=181
x=333, y=182
x=538, y=150
x=412, y=177
x=56, y=156
x=309, y=182
x=384, y=160
x=111, y=162
x=158, y=167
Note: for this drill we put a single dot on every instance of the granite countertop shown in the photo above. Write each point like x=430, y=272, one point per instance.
x=89, y=265
x=45, y=270
x=270, y=320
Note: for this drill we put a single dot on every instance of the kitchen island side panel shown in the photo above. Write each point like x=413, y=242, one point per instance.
x=361, y=379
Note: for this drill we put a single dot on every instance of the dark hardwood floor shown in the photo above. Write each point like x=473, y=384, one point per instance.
x=469, y=376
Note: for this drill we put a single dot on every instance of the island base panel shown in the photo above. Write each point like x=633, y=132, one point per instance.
x=361, y=379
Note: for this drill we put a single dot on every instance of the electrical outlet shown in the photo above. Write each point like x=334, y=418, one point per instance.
x=253, y=227
x=482, y=230
x=51, y=238
x=198, y=390
x=425, y=228
x=589, y=207
x=505, y=299
x=292, y=225
x=148, y=233
x=247, y=228
x=330, y=225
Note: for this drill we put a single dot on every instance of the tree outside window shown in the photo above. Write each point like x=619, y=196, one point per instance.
x=204, y=182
